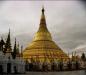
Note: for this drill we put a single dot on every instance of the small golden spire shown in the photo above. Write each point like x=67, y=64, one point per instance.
x=43, y=9
x=43, y=20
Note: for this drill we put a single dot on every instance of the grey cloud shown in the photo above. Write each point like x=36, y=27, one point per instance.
x=66, y=20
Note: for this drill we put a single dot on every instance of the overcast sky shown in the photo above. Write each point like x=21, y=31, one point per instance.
x=66, y=20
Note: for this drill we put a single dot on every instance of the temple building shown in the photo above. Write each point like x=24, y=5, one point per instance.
x=11, y=60
x=43, y=48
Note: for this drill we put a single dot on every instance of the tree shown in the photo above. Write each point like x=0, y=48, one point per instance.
x=69, y=65
x=14, y=50
x=83, y=57
x=2, y=43
x=77, y=65
x=8, y=44
x=60, y=66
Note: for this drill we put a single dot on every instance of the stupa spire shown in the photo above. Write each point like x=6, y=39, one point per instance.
x=43, y=9
x=42, y=31
x=43, y=19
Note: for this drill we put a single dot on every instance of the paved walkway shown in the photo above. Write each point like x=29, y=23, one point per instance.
x=53, y=73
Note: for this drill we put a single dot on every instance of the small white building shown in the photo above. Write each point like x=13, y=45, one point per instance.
x=9, y=65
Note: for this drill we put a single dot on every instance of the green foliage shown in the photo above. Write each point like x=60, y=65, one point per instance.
x=83, y=57
x=8, y=44
x=14, y=51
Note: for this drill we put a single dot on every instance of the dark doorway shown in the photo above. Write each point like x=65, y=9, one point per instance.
x=8, y=67
x=1, y=69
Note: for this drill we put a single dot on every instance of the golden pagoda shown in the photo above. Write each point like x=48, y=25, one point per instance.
x=43, y=47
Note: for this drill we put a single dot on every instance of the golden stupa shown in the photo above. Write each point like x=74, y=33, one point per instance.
x=43, y=47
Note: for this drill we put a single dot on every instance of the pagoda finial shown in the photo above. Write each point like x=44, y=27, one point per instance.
x=43, y=20
x=43, y=9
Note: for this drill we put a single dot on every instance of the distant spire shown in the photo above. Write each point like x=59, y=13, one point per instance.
x=9, y=34
x=15, y=40
x=9, y=30
x=21, y=48
x=75, y=53
x=72, y=54
x=18, y=48
x=68, y=53
x=21, y=51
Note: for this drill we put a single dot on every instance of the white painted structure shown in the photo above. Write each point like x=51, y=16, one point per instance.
x=18, y=63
